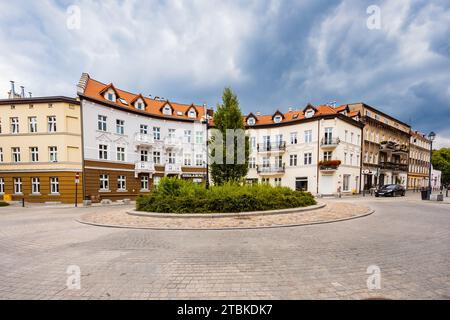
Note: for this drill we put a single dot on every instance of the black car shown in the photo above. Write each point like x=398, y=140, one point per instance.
x=390, y=190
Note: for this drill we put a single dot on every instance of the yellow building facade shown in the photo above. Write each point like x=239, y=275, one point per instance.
x=40, y=149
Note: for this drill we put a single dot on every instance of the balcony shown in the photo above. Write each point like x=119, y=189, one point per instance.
x=394, y=166
x=172, y=142
x=279, y=146
x=330, y=142
x=269, y=170
x=143, y=139
x=329, y=166
x=172, y=168
x=144, y=167
x=401, y=149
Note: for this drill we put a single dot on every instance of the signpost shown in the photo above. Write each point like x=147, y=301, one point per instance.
x=77, y=181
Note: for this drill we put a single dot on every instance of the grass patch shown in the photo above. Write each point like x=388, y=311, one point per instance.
x=4, y=204
x=182, y=196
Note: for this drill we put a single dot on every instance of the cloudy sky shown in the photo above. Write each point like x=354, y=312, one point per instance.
x=274, y=54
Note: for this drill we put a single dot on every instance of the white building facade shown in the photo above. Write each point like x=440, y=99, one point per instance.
x=317, y=149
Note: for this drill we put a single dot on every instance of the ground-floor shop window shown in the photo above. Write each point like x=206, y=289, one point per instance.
x=301, y=183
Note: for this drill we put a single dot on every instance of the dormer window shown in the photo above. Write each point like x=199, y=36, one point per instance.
x=110, y=96
x=251, y=121
x=139, y=105
x=167, y=110
x=277, y=118
x=309, y=113
x=192, y=113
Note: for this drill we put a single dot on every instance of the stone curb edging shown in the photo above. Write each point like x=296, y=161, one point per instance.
x=224, y=215
x=367, y=213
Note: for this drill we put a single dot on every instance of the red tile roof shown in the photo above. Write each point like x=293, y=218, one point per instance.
x=94, y=89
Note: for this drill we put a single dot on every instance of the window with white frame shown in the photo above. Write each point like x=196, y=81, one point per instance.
x=171, y=157
x=51, y=123
x=101, y=124
x=120, y=153
x=199, y=160
x=345, y=135
x=156, y=180
x=345, y=157
x=104, y=182
x=0, y=125
x=293, y=137
x=53, y=154
x=1, y=154
x=307, y=158
x=199, y=137
x=351, y=137
x=157, y=133
x=139, y=105
x=346, y=184
x=277, y=182
x=35, y=185
x=143, y=129
x=327, y=155
x=351, y=159
x=144, y=182
x=2, y=185
x=187, y=136
x=144, y=155
x=34, y=154
x=293, y=160
x=54, y=185
x=171, y=133
x=192, y=113
x=120, y=126
x=252, y=163
x=32, y=124
x=308, y=136
x=17, y=185
x=278, y=161
x=187, y=159
x=253, y=142
x=103, y=152
x=167, y=110
x=266, y=162
x=156, y=157
x=15, y=151
x=14, y=125
x=121, y=183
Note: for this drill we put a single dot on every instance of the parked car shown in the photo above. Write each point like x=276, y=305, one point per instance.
x=391, y=190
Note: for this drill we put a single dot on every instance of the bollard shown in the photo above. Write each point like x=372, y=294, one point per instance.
x=23, y=202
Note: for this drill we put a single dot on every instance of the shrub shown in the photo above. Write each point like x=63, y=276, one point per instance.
x=181, y=196
x=4, y=204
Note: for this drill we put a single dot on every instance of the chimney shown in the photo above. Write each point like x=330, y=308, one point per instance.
x=258, y=113
x=12, y=93
x=22, y=91
x=290, y=109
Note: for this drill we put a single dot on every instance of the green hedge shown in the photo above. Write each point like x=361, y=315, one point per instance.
x=4, y=204
x=181, y=196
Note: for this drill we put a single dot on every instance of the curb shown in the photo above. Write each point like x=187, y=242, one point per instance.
x=224, y=215
x=367, y=213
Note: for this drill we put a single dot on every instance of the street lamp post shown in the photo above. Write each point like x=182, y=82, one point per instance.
x=431, y=137
x=206, y=121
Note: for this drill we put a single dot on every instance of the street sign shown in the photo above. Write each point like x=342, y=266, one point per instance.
x=77, y=178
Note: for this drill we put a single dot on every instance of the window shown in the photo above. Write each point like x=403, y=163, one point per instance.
x=266, y=162
x=351, y=137
x=103, y=152
x=308, y=136
x=121, y=183
x=345, y=157
x=199, y=160
x=253, y=142
x=120, y=154
x=251, y=121
x=54, y=185
x=187, y=136
x=277, y=182
x=104, y=182
x=0, y=125
x=345, y=135
x=34, y=154
x=17, y=185
x=35, y=185
x=32, y=124
x=53, y=152
x=171, y=134
x=101, y=123
x=110, y=96
x=346, y=184
x=143, y=129
x=1, y=154
x=144, y=155
x=156, y=157
x=15, y=151
x=120, y=129
x=139, y=105
x=199, y=137
x=252, y=163
x=2, y=185
x=187, y=160
x=328, y=135
x=192, y=113
x=144, y=182
x=51, y=124
x=351, y=159
x=15, y=125
x=307, y=158
x=293, y=137
x=358, y=139
x=279, y=161
x=167, y=110
x=156, y=180
x=277, y=119
x=171, y=157
x=293, y=160
x=327, y=155
x=156, y=133
x=309, y=113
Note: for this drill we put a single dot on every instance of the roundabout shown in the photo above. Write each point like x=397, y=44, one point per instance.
x=317, y=214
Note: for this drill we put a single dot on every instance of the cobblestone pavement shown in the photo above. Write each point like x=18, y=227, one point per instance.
x=333, y=211
x=408, y=240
